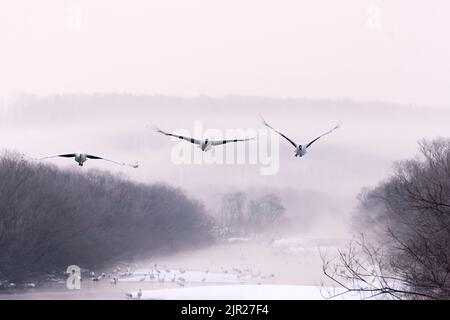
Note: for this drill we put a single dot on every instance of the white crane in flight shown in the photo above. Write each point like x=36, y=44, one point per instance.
x=204, y=145
x=300, y=149
x=81, y=158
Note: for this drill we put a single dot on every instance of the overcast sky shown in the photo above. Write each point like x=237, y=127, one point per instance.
x=389, y=50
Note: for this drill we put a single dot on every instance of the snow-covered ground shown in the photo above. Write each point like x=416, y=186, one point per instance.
x=240, y=292
x=244, y=269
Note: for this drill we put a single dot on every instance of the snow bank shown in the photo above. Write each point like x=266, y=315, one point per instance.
x=239, y=292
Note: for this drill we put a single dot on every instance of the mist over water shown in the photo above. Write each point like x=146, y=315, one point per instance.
x=318, y=190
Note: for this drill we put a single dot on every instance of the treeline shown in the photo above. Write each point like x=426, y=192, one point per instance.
x=240, y=215
x=405, y=251
x=52, y=218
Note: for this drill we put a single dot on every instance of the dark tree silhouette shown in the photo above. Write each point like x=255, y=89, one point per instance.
x=407, y=218
x=51, y=218
x=242, y=216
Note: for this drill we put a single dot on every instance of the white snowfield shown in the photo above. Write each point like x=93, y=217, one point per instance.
x=241, y=292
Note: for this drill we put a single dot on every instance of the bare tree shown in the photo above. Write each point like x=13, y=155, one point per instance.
x=366, y=271
x=233, y=210
x=408, y=218
x=265, y=213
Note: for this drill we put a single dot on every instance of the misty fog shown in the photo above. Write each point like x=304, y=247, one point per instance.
x=100, y=77
x=320, y=187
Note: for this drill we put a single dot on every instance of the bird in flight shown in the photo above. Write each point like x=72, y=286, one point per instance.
x=205, y=144
x=300, y=149
x=81, y=158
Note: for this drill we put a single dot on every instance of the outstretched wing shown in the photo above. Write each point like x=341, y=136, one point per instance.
x=66, y=155
x=219, y=142
x=191, y=140
x=324, y=134
x=90, y=156
x=267, y=125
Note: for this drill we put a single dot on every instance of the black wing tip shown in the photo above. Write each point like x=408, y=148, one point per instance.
x=155, y=128
x=158, y=130
x=265, y=123
x=262, y=119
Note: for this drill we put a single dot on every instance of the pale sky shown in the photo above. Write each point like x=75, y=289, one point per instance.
x=393, y=50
